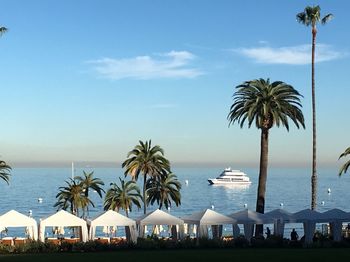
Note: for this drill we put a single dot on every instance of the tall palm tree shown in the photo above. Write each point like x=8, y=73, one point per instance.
x=72, y=196
x=123, y=196
x=345, y=167
x=3, y=30
x=311, y=16
x=164, y=190
x=5, y=170
x=265, y=104
x=148, y=161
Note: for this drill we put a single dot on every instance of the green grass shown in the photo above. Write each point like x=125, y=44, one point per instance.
x=193, y=255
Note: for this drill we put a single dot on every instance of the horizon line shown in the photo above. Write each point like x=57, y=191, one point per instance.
x=112, y=164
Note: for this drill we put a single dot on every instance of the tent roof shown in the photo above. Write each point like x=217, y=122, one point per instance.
x=112, y=218
x=159, y=217
x=308, y=215
x=208, y=217
x=248, y=216
x=336, y=214
x=15, y=219
x=280, y=214
x=63, y=218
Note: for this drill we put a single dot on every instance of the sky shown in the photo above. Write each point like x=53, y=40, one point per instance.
x=84, y=81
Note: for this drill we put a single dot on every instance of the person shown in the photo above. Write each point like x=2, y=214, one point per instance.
x=294, y=235
x=268, y=232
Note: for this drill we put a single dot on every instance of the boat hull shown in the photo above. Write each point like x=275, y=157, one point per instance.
x=218, y=182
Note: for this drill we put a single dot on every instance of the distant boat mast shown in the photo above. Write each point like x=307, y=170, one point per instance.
x=72, y=170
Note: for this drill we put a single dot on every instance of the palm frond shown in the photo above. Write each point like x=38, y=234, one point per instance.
x=312, y=16
x=346, y=165
x=5, y=171
x=266, y=104
x=326, y=18
x=3, y=30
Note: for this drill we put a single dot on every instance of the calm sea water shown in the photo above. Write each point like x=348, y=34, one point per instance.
x=287, y=187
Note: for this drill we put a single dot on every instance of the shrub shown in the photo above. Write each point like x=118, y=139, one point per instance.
x=240, y=241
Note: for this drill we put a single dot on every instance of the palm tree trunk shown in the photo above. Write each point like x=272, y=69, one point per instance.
x=144, y=193
x=260, y=201
x=314, y=172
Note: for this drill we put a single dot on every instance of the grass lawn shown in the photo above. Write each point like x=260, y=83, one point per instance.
x=202, y=255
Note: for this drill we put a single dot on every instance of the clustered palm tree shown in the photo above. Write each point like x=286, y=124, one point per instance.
x=265, y=104
x=75, y=195
x=148, y=161
x=346, y=165
x=311, y=16
x=5, y=171
x=162, y=187
x=123, y=196
x=87, y=181
x=72, y=197
x=164, y=190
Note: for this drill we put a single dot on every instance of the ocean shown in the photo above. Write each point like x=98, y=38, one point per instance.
x=287, y=188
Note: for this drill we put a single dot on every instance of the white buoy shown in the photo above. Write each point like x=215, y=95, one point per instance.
x=245, y=205
x=186, y=182
x=281, y=205
x=212, y=207
x=322, y=203
x=40, y=200
x=30, y=213
x=329, y=191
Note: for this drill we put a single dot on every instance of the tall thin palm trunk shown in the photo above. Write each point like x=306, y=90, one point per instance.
x=260, y=201
x=314, y=171
x=144, y=192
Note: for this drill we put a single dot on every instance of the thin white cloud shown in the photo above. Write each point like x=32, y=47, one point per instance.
x=263, y=42
x=174, y=64
x=291, y=55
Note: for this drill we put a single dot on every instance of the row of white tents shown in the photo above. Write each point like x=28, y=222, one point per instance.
x=201, y=221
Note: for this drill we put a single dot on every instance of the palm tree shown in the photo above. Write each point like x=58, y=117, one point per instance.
x=164, y=190
x=87, y=181
x=148, y=161
x=123, y=196
x=345, y=167
x=3, y=30
x=265, y=104
x=72, y=196
x=5, y=170
x=311, y=16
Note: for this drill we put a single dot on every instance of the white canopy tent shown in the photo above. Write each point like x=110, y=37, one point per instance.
x=250, y=218
x=112, y=218
x=309, y=218
x=15, y=219
x=336, y=217
x=63, y=219
x=206, y=218
x=280, y=217
x=159, y=217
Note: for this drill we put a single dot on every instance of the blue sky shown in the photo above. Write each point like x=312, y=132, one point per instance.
x=85, y=80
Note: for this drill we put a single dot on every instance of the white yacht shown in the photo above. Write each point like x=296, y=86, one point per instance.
x=230, y=177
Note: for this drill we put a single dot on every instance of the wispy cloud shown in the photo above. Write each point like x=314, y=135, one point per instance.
x=292, y=55
x=174, y=64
